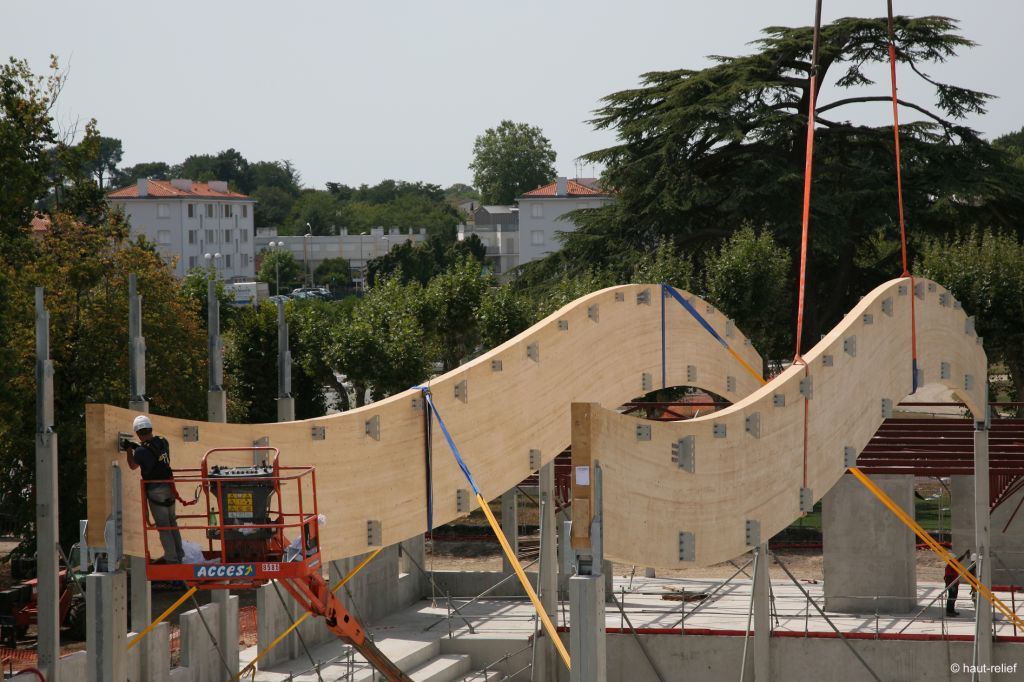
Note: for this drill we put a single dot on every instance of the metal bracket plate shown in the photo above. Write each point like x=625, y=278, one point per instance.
x=620, y=296
x=691, y=373
x=887, y=306
x=417, y=403
x=969, y=325
x=462, y=501
x=496, y=366
x=372, y=427
x=534, y=460
x=730, y=384
x=931, y=286
x=968, y=382
x=827, y=361
x=850, y=346
x=374, y=534
x=319, y=432
x=533, y=352
x=807, y=387
x=902, y=290
x=563, y=325
x=945, y=299
x=919, y=290
x=849, y=456
x=644, y=297
x=753, y=532
x=462, y=391
x=753, y=424
x=779, y=400
x=643, y=431
x=719, y=430
x=683, y=454
x=190, y=434
x=945, y=371
x=868, y=318
x=886, y=408
x=646, y=382
x=687, y=546
x=730, y=329
x=594, y=312
x=806, y=500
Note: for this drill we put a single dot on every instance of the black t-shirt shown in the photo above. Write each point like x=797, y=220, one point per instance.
x=154, y=458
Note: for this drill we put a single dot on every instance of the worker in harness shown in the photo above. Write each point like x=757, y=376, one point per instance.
x=152, y=455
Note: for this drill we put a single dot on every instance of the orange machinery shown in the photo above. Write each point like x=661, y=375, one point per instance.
x=251, y=539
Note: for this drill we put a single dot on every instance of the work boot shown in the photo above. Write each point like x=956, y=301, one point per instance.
x=952, y=613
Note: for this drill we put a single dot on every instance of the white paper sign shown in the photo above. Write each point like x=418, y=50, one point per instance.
x=582, y=475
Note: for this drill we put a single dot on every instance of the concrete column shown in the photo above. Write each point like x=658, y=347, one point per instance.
x=869, y=554
x=1006, y=534
x=762, y=616
x=509, y=526
x=286, y=409
x=587, y=646
x=106, y=597
x=983, y=624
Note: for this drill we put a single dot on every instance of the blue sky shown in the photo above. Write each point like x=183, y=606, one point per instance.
x=361, y=91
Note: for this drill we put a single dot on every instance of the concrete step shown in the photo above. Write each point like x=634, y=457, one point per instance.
x=406, y=654
x=444, y=668
x=478, y=676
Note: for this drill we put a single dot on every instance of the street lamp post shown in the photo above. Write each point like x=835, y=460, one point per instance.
x=306, y=240
x=277, y=266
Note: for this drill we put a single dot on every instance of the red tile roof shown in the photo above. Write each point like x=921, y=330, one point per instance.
x=573, y=189
x=164, y=189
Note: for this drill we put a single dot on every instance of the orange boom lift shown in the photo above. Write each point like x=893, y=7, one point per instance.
x=253, y=538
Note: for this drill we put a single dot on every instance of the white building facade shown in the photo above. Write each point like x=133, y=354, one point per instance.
x=541, y=210
x=497, y=227
x=187, y=220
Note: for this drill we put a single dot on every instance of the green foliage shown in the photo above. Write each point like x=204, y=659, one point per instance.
x=700, y=151
x=335, y=272
x=156, y=170
x=748, y=280
x=250, y=362
x=228, y=165
x=422, y=262
x=195, y=289
x=1013, y=145
x=665, y=266
x=273, y=205
x=84, y=271
x=985, y=271
x=315, y=211
x=509, y=160
x=279, y=265
x=383, y=347
x=26, y=132
x=503, y=313
x=452, y=299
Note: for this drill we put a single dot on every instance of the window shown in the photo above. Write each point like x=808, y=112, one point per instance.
x=537, y=237
x=227, y=236
x=537, y=210
x=245, y=210
x=209, y=210
x=163, y=237
x=191, y=236
x=209, y=236
x=191, y=210
x=163, y=211
x=245, y=236
x=191, y=262
x=227, y=260
x=245, y=260
x=227, y=210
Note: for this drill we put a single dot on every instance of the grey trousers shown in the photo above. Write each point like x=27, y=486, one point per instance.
x=164, y=515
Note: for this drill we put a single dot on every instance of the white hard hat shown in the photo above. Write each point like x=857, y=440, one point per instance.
x=141, y=422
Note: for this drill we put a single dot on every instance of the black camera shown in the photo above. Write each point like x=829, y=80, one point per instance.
x=126, y=443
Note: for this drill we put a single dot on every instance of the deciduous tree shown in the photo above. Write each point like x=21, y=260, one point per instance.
x=509, y=160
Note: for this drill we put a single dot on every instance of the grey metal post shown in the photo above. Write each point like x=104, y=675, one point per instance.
x=47, y=508
x=762, y=617
x=141, y=602
x=216, y=402
x=509, y=526
x=983, y=624
x=548, y=567
x=285, y=401
x=587, y=638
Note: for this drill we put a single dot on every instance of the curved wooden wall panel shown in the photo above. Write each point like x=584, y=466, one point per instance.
x=498, y=407
x=749, y=457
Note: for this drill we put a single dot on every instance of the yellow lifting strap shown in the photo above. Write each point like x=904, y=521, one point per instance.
x=337, y=586
x=943, y=553
x=549, y=627
x=170, y=609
